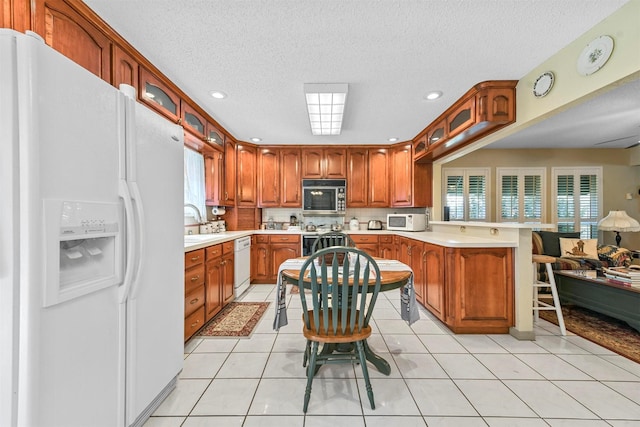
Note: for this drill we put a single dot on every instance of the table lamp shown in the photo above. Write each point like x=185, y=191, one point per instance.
x=618, y=221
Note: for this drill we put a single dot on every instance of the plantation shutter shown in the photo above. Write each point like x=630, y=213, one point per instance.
x=533, y=198
x=455, y=197
x=522, y=197
x=578, y=198
x=477, y=198
x=509, y=198
x=466, y=193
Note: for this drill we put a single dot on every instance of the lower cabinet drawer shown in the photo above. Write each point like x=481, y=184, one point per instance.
x=193, y=322
x=193, y=278
x=193, y=300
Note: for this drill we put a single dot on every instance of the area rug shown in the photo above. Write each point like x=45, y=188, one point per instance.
x=238, y=319
x=603, y=330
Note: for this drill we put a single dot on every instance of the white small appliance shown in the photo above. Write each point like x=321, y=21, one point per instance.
x=406, y=222
x=241, y=265
x=91, y=247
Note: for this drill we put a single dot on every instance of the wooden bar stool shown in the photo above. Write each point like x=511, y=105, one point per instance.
x=538, y=304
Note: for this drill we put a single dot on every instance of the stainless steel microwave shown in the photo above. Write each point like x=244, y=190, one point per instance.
x=324, y=196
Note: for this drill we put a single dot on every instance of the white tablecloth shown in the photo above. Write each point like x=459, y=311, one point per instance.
x=408, y=303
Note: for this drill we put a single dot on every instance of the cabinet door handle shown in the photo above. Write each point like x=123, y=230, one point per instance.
x=193, y=301
x=195, y=258
x=194, y=278
x=195, y=323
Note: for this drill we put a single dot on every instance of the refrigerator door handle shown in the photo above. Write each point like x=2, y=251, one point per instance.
x=140, y=228
x=123, y=192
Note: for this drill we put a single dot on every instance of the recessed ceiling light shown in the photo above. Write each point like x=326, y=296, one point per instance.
x=256, y=139
x=433, y=95
x=217, y=94
x=393, y=139
x=325, y=107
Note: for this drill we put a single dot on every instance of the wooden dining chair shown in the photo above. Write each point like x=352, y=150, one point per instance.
x=342, y=285
x=332, y=239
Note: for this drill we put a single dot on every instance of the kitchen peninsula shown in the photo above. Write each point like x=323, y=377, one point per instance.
x=475, y=277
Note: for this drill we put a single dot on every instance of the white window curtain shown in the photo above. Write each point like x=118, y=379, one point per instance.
x=465, y=193
x=578, y=199
x=521, y=195
x=194, y=192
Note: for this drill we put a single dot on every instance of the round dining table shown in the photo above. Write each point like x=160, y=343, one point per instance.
x=389, y=280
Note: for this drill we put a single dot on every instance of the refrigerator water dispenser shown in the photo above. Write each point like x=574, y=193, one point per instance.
x=84, y=249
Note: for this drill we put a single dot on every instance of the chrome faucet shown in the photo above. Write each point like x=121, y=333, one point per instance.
x=195, y=208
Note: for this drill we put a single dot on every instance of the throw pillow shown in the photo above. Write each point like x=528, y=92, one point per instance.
x=579, y=248
x=551, y=241
x=615, y=256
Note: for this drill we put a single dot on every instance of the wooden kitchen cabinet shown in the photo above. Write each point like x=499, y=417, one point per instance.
x=281, y=248
x=268, y=177
x=387, y=248
x=357, y=171
x=367, y=177
x=192, y=120
x=270, y=251
x=279, y=177
x=213, y=283
x=290, y=184
x=214, y=136
x=433, y=278
x=260, y=266
x=214, y=178
x=68, y=32
x=158, y=96
x=329, y=163
x=367, y=243
x=378, y=178
x=401, y=176
x=194, y=290
x=479, y=290
x=410, y=252
x=227, y=272
x=125, y=69
x=229, y=172
x=410, y=182
x=485, y=108
x=246, y=175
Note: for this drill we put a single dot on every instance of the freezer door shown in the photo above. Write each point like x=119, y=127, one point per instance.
x=69, y=135
x=155, y=304
x=9, y=227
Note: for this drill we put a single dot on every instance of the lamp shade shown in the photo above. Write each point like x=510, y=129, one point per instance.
x=618, y=221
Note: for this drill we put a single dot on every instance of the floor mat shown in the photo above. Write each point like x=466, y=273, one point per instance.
x=238, y=319
x=603, y=330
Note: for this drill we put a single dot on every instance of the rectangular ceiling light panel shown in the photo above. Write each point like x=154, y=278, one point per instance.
x=325, y=106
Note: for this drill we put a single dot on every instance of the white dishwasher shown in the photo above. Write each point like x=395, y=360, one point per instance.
x=242, y=265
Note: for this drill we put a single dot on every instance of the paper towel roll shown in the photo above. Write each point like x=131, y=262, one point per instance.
x=218, y=210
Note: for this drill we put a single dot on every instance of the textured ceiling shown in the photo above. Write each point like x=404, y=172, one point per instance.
x=390, y=52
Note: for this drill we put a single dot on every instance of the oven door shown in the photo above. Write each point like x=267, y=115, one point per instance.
x=319, y=199
x=307, y=243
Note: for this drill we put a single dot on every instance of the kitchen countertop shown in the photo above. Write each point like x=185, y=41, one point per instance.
x=198, y=241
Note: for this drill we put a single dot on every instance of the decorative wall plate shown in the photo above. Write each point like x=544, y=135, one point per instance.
x=543, y=84
x=595, y=55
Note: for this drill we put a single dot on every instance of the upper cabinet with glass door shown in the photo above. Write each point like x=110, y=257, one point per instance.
x=485, y=108
x=214, y=136
x=193, y=121
x=158, y=96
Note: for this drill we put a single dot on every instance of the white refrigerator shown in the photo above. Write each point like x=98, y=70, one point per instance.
x=91, y=245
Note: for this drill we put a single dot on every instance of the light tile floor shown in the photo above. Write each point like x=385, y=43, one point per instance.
x=437, y=379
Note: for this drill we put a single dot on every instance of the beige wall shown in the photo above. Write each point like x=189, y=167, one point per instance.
x=618, y=177
x=570, y=89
